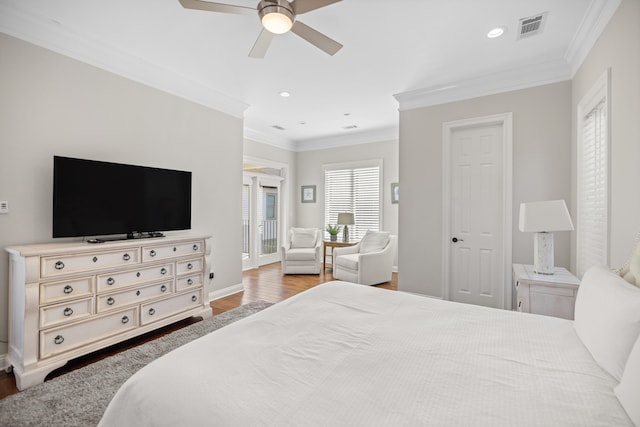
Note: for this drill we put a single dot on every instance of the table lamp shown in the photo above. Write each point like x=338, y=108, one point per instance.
x=345, y=219
x=542, y=218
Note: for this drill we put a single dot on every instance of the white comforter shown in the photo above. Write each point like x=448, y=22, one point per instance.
x=349, y=355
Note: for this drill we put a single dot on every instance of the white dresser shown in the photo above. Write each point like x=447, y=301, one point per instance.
x=548, y=294
x=69, y=299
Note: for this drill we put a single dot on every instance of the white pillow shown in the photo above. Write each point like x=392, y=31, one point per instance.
x=607, y=318
x=374, y=241
x=628, y=391
x=303, y=237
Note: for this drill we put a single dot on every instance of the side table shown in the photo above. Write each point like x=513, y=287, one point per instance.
x=335, y=244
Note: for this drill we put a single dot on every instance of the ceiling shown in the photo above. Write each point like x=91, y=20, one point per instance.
x=423, y=51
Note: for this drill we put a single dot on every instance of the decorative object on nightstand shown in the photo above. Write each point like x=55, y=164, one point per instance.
x=551, y=295
x=542, y=218
x=333, y=231
x=345, y=219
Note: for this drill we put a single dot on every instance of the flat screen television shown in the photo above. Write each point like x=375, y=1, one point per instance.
x=94, y=198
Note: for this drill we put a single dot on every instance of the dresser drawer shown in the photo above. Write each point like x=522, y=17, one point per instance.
x=108, y=282
x=59, y=265
x=65, y=312
x=58, y=340
x=150, y=253
x=157, y=310
x=133, y=296
x=191, y=281
x=189, y=266
x=69, y=289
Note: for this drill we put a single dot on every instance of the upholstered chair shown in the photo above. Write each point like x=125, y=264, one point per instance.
x=301, y=253
x=370, y=262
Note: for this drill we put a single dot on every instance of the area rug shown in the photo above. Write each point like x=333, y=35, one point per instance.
x=80, y=397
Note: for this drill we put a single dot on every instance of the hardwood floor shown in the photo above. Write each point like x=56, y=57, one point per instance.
x=266, y=283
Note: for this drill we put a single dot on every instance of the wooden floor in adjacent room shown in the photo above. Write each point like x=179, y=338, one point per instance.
x=266, y=283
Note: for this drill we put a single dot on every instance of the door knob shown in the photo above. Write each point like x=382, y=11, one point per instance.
x=455, y=239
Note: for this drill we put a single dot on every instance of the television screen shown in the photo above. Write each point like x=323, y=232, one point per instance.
x=93, y=198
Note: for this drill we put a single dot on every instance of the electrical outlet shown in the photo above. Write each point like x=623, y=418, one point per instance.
x=4, y=207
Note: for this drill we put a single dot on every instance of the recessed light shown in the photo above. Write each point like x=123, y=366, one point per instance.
x=303, y=123
x=496, y=32
x=347, y=114
x=285, y=94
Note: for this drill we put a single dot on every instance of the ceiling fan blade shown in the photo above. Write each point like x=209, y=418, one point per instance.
x=304, y=6
x=316, y=38
x=261, y=45
x=217, y=7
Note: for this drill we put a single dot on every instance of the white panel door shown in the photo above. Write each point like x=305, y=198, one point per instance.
x=476, y=216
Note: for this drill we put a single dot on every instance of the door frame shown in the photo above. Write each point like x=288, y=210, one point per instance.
x=505, y=120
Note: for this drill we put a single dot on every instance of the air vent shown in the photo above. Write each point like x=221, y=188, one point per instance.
x=277, y=127
x=350, y=127
x=532, y=26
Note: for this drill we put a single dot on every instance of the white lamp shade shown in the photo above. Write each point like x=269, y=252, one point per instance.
x=547, y=216
x=345, y=218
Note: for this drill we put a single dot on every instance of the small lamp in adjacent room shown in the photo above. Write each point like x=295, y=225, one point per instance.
x=345, y=219
x=542, y=218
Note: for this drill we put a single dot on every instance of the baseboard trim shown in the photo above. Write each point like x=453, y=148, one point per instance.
x=225, y=292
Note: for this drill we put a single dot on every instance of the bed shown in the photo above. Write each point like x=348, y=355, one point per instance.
x=346, y=354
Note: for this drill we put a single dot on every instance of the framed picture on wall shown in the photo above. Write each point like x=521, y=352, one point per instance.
x=308, y=193
x=395, y=192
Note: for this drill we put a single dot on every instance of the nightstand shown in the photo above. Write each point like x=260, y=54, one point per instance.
x=332, y=245
x=548, y=294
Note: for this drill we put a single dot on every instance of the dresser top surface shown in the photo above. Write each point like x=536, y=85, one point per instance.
x=560, y=276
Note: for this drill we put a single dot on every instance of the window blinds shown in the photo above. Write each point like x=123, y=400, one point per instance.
x=592, y=233
x=355, y=190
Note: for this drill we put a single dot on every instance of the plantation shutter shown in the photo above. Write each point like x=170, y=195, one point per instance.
x=593, y=186
x=356, y=190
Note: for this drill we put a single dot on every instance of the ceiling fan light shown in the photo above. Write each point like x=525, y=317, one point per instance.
x=276, y=19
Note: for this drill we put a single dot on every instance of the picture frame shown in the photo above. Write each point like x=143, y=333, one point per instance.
x=395, y=192
x=308, y=193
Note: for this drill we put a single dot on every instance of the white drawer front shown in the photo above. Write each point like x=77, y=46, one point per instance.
x=108, y=282
x=70, y=289
x=157, y=310
x=133, y=296
x=65, y=312
x=58, y=340
x=57, y=266
x=150, y=253
x=191, y=281
x=189, y=266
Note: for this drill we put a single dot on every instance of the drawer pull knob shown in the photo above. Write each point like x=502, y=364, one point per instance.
x=59, y=265
x=126, y=257
x=190, y=282
x=519, y=304
x=152, y=311
x=195, y=247
x=175, y=249
x=189, y=266
x=95, y=259
x=125, y=319
x=111, y=281
x=138, y=274
x=163, y=270
x=68, y=311
x=152, y=253
x=59, y=339
x=194, y=298
x=111, y=301
x=138, y=293
x=163, y=288
x=67, y=289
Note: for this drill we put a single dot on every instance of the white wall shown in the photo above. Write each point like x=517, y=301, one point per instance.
x=541, y=171
x=617, y=48
x=310, y=172
x=54, y=105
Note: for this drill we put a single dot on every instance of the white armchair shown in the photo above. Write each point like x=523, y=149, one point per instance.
x=370, y=262
x=301, y=253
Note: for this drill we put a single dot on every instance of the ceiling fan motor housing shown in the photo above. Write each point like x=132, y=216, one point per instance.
x=277, y=16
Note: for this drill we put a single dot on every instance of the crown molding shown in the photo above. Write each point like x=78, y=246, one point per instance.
x=278, y=142
x=593, y=23
x=50, y=35
x=356, y=138
x=504, y=81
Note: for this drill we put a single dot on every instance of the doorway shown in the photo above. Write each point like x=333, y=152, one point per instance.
x=477, y=211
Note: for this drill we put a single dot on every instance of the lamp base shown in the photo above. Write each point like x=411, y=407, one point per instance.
x=345, y=234
x=543, y=253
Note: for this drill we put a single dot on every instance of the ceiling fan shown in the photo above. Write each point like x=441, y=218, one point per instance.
x=278, y=17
